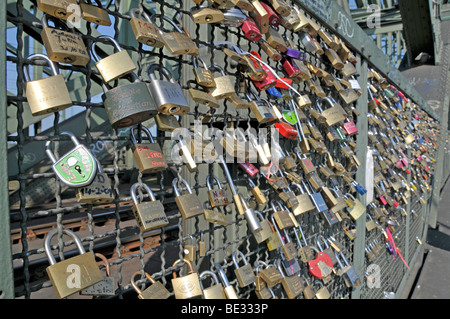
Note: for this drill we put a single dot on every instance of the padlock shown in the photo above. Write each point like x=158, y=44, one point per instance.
x=290, y=67
x=409, y=137
x=128, y=104
x=236, y=195
x=106, y=287
x=261, y=110
x=276, y=40
x=282, y=217
x=308, y=291
x=265, y=231
x=176, y=42
x=230, y=293
x=115, y=65
x=58, y=9
x=214, y=216
x=269, y=81
x=188, y=286
x=333, y=57
x=205, y=15
x=144, y=30
x=224, y=86
x=166, y=122
x=350, y=128
x=76, y=168
x=304, y=250
x=334, y=114
x=253, y=221
x=215, y=291
x=46, y=95
x=63, y=46
x=348, y=272
x=274, y=19
x=254, y=68
x=251, y=30
x=328, y=250
x=322, y=292
x=217, y=197
x=190, y=250
x=188, y=204
x=155, y=291
x=244, y=274
x=321, y=266
x=261, y=288
x=167, y=95
x=148, y=155
x=269, y=274
x=357, y=209
x=288, y=248
x=292, y=285
x=150, y=214
x=281, y=7
x=74, y=274
x=203, y=76
x=271, y=52
x=95, y=14
x=99, y=191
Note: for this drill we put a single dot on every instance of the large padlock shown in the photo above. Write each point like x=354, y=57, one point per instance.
x=74, y=274
x=177, y=42
x=217, y=197
x=334, y=114
x=155, y=291
x=99, y=191
x=59, y=9
x=94, y=14
x=115, y=65
x=144, y=30
x=167, y=95
x=216, y=290
x=187, y=286
x=128, y=104
x=76, y=168
x=46, y=95
x=224, y=86
x=149, y=156
x=188, y=204
x=244, y=274
x=63, y=46
x=106, y=287
x=149, y=214
x=321, y=266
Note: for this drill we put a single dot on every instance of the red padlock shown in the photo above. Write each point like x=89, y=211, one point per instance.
x=396, y=204
x=290, y=67
x=316, y=268
x=282, y=83
x=274, y=19
x=249, y=168
x=416, y=116
x=408, y=171
x=286, y=130
x=251, y=30
x=350, y=128
x=269, y=81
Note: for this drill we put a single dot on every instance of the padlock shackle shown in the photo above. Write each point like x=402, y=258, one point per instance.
x=171, y=22
x=133, y=283
x=318, y=238
x=48, y=144
x=209, y=184
x=163, y=70
x=58, y=22
x=208, y=273
x=235, y=258
x=222, y=275
x=105, y=262
x=228, y=175
x=133, y=191
x=146, y=131
x=95, y=56
x=39, y=56
x=338, y=260
x=175, y=186
x=135, y=13
x=216, y=67
x=280, y=269
x=53, y=232
x=195, y=60
x=191, y=269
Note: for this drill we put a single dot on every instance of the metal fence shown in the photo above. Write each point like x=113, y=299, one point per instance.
x=38, y=201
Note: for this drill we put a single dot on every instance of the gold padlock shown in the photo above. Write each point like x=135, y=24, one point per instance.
x=224, y=86
x=94, y=14
x=292, y=285
x=155, y=291
x=144, y=30
x=207, y=15
x=215, y=291
x=149, y=156
x=188, y=204
x=260, y=15
x=166, y=122
x=190, y=250
x=74, y=274
x=99, y=191
x=58, y=9
x=244, y=274
x=49, y=94
x=203, y=75
x=188, y=286
x=217, y=197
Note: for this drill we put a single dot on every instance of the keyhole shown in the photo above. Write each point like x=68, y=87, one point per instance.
x=78, y=169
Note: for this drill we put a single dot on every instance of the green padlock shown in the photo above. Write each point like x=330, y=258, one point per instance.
x=290, y=117
x=76, y=168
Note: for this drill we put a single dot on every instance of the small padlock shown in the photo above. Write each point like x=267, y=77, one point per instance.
x=76, y=168
x=149, y=156
x=251, y=30
x=288, y=248
x=144, y=30
x=205, y=15
x=262, y=111
x=203, y=75
x=177, y=42
x=155, y=291
x=224, y=86
x=256, y=192
x=217, y=197
x=265, y=231
x=230, y=293
x=95, y=14
x=282, y=217
x=46, y=95
x=216, y=290
x=63, y=46
x=58, y=9
x=99, y=191
x=188, y=286
x=106, y=287
x=74, y=274
x=214, y=216
x=190, y=250
x=149, y=215
x=244, y=274
x=115, y=65
x=188, y=204
x=281, y=7
x=322, y=292
x=167, y=95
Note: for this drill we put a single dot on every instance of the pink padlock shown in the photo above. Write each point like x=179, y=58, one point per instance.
x=251, y=30
x=416, y=116
x=350, y=128
x=383, y=200
x=399, y=163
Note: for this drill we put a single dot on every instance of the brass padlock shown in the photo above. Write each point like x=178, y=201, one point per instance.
x=99, y=191
x=256, y=191
x=113, y=66
x=94, y=14
x=281, y=7
x=177, y=42
x=244, y=274
x=282, y=217
x=265, y=231
x=322, y=292
x=144, y=30
x=214, y=216
x=46, y=95
x=228, y=288
x=190, y=250
x=207, y=15
x=155, y=291
x=215, y=291
x=305, y=203
x=203, y=75
x=224, y=86
x=74, y=274
x=217, y=197
x=260, y=108
x=149, y=156
x=334, y=114
x=106, y=287
x=166, y=122
x=260, y=15
x=276, y=40
x=58, y=9
x=149, y=215
x=188, y=204
x=202, y=97
x=63, y=46
x=292, y=285
x=188, y=286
